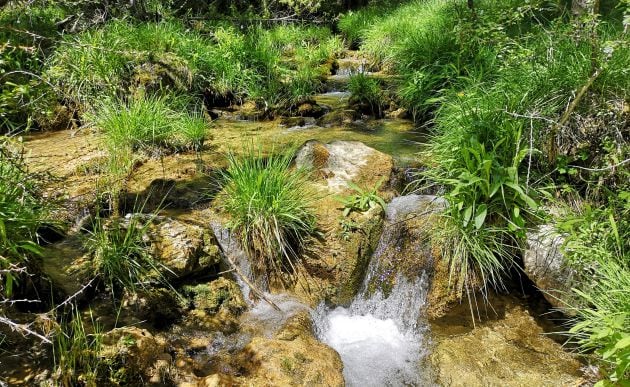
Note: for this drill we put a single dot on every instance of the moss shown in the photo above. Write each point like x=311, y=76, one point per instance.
x=217, y=295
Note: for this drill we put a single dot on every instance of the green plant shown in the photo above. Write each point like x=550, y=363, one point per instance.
x=22, y=212
x=597, y=244
x=120, y=253
x=269, y=203
x=366, y=90
x=362, y=199
x=76, y=350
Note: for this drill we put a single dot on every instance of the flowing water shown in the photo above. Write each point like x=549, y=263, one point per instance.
x=381, y=336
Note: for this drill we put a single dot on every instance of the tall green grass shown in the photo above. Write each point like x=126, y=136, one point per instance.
x=259, y=64
x=269, y=204
x=22, y=212
x=598, y=245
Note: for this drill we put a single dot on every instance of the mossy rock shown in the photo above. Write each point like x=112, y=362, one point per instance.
x=219, y=294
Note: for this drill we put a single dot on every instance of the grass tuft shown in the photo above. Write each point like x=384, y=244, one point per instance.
x=269, y=203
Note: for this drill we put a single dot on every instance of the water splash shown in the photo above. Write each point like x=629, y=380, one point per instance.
x=381, y=337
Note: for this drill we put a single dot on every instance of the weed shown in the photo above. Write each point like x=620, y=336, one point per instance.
x=269, y=203
x=21, y=213
x=120, y=253
x=76, y=351
x=367, y=91
x=362, y=199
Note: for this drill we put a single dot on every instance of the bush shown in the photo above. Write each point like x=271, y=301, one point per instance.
x=270, y=208
x=27, y=32
x=121, y=56
x=366, y=91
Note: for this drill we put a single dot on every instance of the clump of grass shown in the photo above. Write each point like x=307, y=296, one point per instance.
x=257, y=63
x=22, y=212
x=366, y=91
x=269, y=203
x=76, y=351
x=120, y=253
x=147, y=124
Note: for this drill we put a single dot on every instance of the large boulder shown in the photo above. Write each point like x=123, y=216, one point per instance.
x=341, y=162
x=293, y=357
x=335, y=265
x=545, y=264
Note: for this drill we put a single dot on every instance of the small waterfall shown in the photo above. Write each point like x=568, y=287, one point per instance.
x=261, y=316
x=381, y=335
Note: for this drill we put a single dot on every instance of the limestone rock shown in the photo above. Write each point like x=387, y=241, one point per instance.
x=341, y=162
x=294, y=357
x=221, y=293
x=509, y=348
x=183, y=248
x=545, y=265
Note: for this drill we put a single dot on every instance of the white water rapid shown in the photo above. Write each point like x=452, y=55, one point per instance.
x=382, y=338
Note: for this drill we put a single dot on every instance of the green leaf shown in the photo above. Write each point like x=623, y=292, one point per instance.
x=623, y=343
x=480, y=217
x=467, y=215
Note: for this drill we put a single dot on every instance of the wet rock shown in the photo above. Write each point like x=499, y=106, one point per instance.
x=310, y=109
x=67, y=265
x=184, y=249
x=340, y=162
x=291, y=122
x=339, y=117
x=159, y=307
x=219, y=294
x=508, y=348
x=335, y=265
x=545, y=265
x=133, y=354
x=293, y=358
x=166, y=71
x=400, y=113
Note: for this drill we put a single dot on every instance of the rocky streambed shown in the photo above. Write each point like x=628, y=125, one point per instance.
x=371, y=304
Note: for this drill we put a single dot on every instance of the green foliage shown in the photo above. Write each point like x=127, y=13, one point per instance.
x=269, y=203
x=26, y=34
x=22, y=212
x=366, y=90
x=362, y=199
x=147, y=124
x=354, y=25
x=76, y=351
x=598, y=245
x=120, y=253
x=259, y=64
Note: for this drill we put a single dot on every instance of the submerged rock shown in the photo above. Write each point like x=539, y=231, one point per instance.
x=508, y=348
x=545, y=265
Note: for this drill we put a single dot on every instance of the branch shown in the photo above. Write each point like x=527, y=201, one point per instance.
x=23, y=328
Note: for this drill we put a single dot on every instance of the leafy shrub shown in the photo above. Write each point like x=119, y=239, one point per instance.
x=24, y=97
x=362, y=200
x=270, y=208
